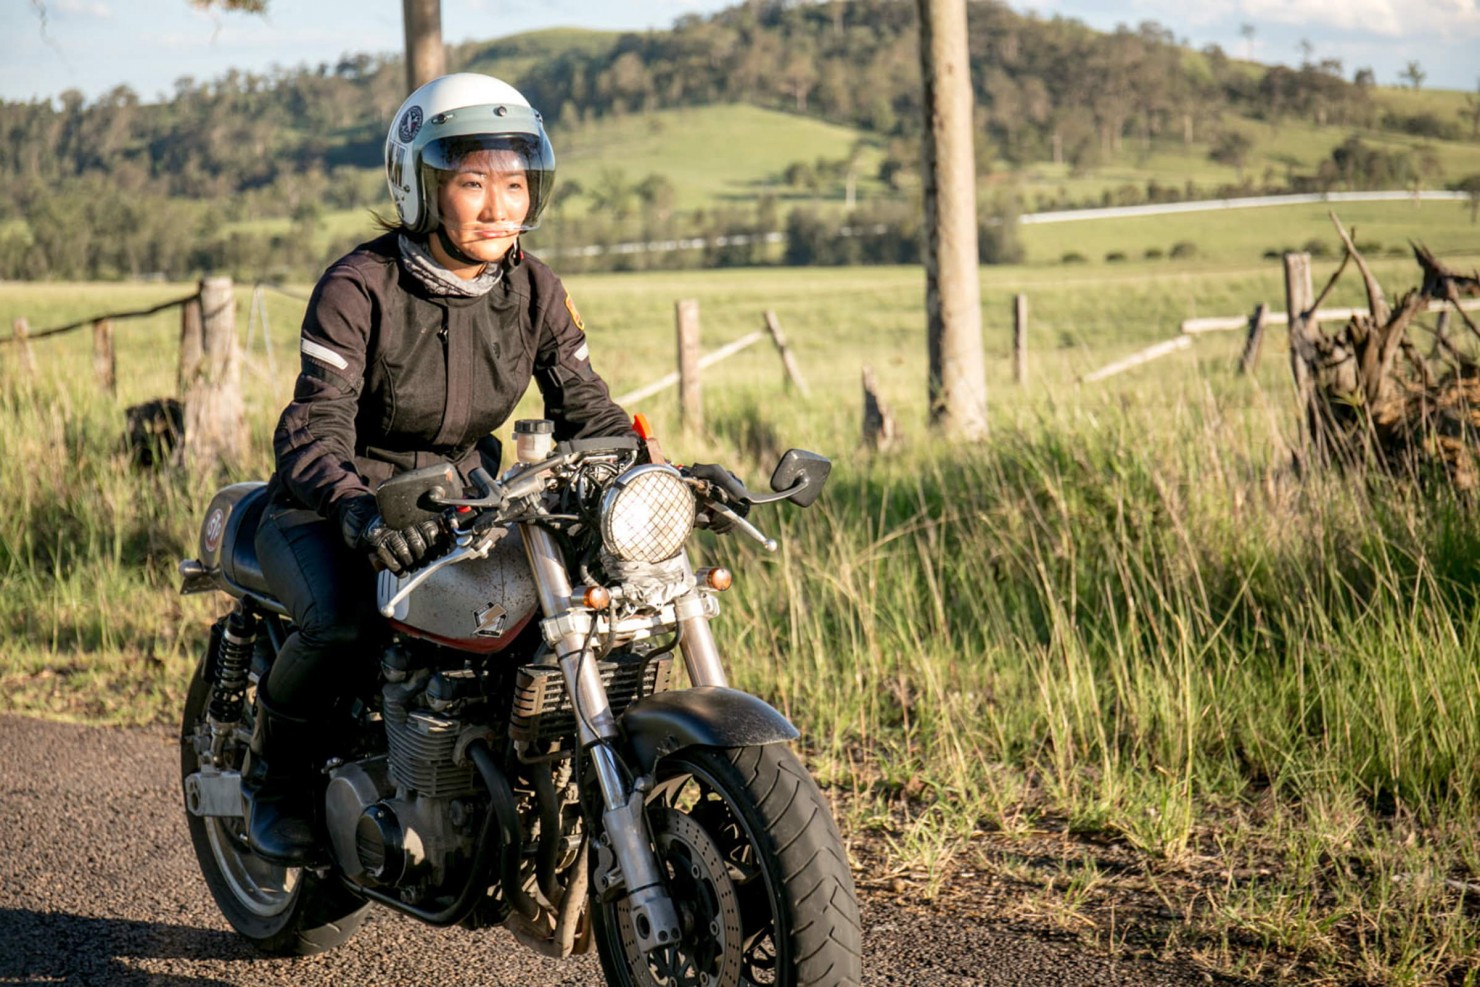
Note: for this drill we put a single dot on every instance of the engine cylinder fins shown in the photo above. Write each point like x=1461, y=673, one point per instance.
x=421, y=755
x=379, y=841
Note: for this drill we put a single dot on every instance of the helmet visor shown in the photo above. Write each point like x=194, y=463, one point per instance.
x=494, y=158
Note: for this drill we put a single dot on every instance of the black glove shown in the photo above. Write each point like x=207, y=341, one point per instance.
x=730, y=492
x=364, y=530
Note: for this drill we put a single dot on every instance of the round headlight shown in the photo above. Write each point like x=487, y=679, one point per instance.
x=647, y=514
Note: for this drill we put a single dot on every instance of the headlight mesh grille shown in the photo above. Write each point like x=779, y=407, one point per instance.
x=647, y=514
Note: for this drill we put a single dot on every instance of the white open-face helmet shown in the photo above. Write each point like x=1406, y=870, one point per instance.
x=449, y=118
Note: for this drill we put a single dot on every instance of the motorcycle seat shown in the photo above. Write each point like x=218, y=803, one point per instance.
x=239, y=563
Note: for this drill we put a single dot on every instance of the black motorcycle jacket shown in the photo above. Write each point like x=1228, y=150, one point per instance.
x=394, y=377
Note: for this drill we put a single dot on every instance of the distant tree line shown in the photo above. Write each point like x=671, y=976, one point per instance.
x=119, y=187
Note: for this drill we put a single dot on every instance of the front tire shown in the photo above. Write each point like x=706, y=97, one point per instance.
x=283, y=911
x=757, y=870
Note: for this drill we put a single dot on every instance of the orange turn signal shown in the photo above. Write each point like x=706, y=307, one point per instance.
x=718, y=579
x=596, y=597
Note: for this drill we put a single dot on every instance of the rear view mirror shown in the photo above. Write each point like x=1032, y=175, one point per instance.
x=411, y=497
x=801, y=475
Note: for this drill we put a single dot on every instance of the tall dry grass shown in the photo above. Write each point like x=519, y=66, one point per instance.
x=1122, y=615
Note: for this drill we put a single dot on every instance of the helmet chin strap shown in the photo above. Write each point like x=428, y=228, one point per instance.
x=455, y=252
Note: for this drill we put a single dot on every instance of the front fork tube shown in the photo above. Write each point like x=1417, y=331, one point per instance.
x=696, y=641
x=654, y=918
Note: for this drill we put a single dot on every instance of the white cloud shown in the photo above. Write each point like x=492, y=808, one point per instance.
x=1375, y=16
x=83, y=8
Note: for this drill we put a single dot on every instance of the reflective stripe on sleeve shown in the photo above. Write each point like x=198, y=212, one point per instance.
x=321, y=352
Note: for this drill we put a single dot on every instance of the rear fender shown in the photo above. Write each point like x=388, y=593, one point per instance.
x=704, y=716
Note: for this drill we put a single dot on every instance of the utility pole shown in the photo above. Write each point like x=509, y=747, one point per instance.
x=426, y=57
x=958, y=384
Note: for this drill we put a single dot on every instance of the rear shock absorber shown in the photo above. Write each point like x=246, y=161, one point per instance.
x=234, y=648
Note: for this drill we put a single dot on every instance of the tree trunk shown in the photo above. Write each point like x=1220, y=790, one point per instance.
x=215, y=418
x=957, y=385
x=426, y=57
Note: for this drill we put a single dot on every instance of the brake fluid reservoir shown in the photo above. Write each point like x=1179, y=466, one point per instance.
x=534, y=439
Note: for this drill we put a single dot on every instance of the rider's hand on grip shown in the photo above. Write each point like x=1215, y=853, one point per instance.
x=398, y=549
x=729, y=490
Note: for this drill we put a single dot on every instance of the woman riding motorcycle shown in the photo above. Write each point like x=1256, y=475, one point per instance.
x=415, y=347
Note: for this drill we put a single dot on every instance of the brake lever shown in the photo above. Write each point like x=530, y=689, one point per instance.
x=474, y=549
x=767, y=542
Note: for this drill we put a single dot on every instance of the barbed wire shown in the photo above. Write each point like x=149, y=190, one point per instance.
x=71, y=326
x=270, y=286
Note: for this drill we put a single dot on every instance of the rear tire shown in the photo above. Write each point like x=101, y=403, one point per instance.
x=784, y=871
x=283, y=911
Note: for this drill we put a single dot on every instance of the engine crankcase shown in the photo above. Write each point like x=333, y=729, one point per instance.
x=380, y=839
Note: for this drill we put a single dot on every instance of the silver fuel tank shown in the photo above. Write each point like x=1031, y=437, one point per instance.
x=480, y=605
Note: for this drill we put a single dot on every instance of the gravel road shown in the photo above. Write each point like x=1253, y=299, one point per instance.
x=98, y=886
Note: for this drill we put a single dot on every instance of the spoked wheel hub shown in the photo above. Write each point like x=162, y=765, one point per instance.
x=708, y=953
x=263, y=888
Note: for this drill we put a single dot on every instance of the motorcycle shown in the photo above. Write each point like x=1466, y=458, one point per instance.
x=527, y=756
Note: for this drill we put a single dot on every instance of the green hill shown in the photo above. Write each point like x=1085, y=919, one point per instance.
x=513, y=57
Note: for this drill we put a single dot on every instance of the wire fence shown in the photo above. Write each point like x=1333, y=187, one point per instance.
x=26, y=335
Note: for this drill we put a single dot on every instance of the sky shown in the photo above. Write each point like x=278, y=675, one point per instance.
x=96, y=45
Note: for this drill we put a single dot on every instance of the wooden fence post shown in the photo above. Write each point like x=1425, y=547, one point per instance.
x=880, y=431
x=105, y=362
x=1299, y=301
x=191, y=345
x=690, y=398
x=1020, y=339
x=788, y=362
x=215, y=419
x=1252, y=345
x=25, y=357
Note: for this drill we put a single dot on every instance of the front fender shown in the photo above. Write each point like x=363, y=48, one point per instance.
x=704, y=716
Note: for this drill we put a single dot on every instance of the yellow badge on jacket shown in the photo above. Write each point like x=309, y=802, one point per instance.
x=576, y=316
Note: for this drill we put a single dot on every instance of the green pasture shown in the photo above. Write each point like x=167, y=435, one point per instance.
x=1445, y=104
x=1123, y=615
x=1242, y=237
x=1278, y=150
x=713, y=155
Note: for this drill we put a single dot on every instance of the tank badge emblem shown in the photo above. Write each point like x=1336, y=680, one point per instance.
x=215, y=526
x=490, y=620
x=410, y=124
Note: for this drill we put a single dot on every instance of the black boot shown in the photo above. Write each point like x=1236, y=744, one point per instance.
x=277, y=787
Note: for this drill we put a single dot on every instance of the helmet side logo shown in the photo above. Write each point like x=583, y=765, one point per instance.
x=410, y=124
